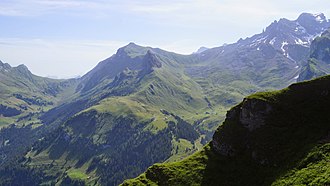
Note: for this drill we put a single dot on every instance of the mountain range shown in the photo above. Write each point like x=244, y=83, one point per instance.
x=144, y=105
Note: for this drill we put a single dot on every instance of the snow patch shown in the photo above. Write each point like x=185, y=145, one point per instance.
x=289, y=57
x=284, y=43
x=259, y=40
x=318, y=18
x=296, y=66
x=298, y=41
x=258, y=48
x=272, y=41
x=296, y=77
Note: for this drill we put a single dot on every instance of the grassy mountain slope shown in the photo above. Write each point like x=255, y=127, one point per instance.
x=318, y=64
x=279, y=138
x=138, y=117
x=24, y=98
x=23, y=93
x=261, y=66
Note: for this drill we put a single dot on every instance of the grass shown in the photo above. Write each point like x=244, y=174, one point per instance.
x=270, y=96
x=77, y=174
x=314, y=169
x=179, y=149
x=185, y=172
x=54, y=167
x=4, y=121
x=167, y=88
x=126, y=107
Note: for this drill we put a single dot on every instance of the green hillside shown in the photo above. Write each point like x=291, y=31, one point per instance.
x=138, y=117
x=271, y=138
x=139, y=93
x=23, y=95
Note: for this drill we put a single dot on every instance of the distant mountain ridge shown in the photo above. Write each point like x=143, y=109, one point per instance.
x=284, y=40
x=284, y=34
x=24, y=92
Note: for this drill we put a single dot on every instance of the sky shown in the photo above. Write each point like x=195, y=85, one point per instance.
x=67, y=38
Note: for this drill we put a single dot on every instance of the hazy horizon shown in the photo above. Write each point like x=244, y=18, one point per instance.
x=66, y=38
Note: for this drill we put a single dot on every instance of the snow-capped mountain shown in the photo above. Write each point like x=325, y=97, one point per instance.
x=289, y=36
x=272, y=58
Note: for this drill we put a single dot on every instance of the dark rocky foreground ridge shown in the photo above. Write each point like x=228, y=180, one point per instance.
x=270, y=138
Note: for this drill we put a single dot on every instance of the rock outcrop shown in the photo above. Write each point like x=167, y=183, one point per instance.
x=253, y=113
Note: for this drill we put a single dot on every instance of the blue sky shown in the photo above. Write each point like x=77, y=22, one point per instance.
x=65, y=38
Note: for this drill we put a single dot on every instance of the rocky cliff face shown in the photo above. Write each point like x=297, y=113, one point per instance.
x=250, y=114
x=253, y=113
x=263, y=125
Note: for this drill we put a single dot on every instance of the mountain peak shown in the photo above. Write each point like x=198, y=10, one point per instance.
x=313, y=23
x=4, y=65
x=285, y=33
x=318, y=17
x=132, y=45
x=23, y=69
x=201, y=49
x=22, y=66
x=132, y=50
